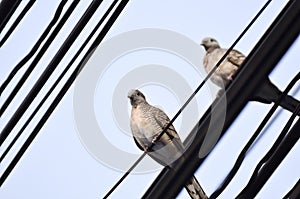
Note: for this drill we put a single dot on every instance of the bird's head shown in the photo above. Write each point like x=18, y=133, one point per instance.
x=136, y=97
x=210, y=43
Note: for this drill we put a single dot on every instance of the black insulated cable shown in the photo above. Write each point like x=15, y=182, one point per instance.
x=49, y=69
x=190, y=98
x=63, y=91
x=238, y=93
x=258, y=181
x=7, y=9
x=28, y=56
x=56, y=82
x=294, y=193
x=244, y=151
x=67, y=14
x=16, y=22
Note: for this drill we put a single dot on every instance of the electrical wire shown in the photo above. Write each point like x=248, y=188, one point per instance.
x=294, y=193
x=7, y=9
x=270, y=156
x=49, y=69
x=66, y=15
x=238, y=93
x=243, y=153
x=63, y=91
x=27, y=58
x=278, y=141
x=16, y=22
x=191, y=97
x=58, y=79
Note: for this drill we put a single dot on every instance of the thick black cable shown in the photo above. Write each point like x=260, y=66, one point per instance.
x=16, y=22
x=274, y=157
x=195, y=92
x=57, y=81
x=67, y=14
x=246, y=148
x=63, y=91
x=274, y=148
x=294, y=193
x=27, y=58
x=49, y=69
x=248, y=79
x=7, y=9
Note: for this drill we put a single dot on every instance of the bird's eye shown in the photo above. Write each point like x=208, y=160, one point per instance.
x=212, y=40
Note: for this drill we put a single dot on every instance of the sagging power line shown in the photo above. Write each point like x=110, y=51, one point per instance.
x=238, y=93
x=86, y=16
x=190, y=98
x=200, y=126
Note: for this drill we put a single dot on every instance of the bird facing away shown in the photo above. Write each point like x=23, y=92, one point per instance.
x=146, y=123
x=225, y=73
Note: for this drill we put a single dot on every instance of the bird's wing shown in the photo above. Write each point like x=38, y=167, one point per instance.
x=163, y=120
x=170, y=134
x=236, y=58
x=168, y=147
x=137, y=139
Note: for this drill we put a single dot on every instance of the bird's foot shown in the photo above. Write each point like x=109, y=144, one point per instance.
x=155, y=138
x=146, y=149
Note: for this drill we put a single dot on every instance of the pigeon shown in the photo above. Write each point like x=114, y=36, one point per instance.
x=224, y=74
x=147, y=123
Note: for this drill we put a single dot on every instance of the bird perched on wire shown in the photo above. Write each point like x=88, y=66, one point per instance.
x=147, y=123
x=225, y=73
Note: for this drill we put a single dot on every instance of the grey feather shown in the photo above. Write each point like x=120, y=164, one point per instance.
x=147, y=122
x=225, y=73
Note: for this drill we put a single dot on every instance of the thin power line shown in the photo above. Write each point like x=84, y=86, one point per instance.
x=58, y=79
x=268, y=157
x=16, y=22
x=7, y=9
x=66, y=15
x=243, y=153
x=274, y=157
x=294, y=193
x=238, y=93
x=49, y=69
x=63, y=91
x=192, y=96
x=27, y=58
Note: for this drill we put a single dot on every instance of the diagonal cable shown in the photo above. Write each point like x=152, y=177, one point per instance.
x=190, y=98
x=16, y=22
x=243, y=153
x=238, y=93
x=271, y=152
x=49, y=69
x=7, y=9
x=26, y=59
x=63, y=91
x=252, y=187
x=57, y=82
x=294, y=192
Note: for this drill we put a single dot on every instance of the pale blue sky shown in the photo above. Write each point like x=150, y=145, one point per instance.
x=59, y=164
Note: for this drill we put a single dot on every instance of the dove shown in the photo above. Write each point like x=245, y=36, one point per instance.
x=267, y=93
x=146, y=123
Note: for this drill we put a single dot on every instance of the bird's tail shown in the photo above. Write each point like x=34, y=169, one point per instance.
x=194, y=189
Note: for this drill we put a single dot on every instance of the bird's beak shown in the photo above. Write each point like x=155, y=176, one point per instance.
x=131, y=100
